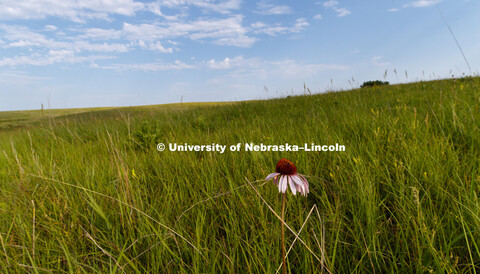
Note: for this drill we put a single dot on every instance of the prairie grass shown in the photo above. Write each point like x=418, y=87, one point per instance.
x=89, y=192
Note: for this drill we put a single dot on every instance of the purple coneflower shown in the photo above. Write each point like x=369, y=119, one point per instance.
x=286, y=174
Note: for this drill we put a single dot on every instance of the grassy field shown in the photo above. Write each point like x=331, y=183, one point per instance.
x=89, y=192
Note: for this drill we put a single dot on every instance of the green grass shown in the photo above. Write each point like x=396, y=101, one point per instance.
x=15, y=119
x=89, y=192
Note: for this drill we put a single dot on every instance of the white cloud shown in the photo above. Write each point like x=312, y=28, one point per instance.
x=233, y=63
x=146, y=32
x=258, y=25
x=42, y=50
x=258, y=72
x=228, y=31
x=221, y=31
x=225, y=64
x=53, y=44
x=334, y=5
x=258, y=66
x=266, y=8
x=416, y=4
x=50, y=28
x=86, y=46
x=318, y=17
x=155, y=8
x=241, y=41
x=157, y=46
x=177, y=65
x=212, y=28
x=421, y=3
x=300, y=24
x=122, y=7
x=273, y=30
x=52, y=57
x=262, y=28
x=22, y=37
x=223, y=7
x=19, y=77
x=75, y=10
x=342, y=12
x=101, y=34
x=393, y=10
x=330, y=4
x=292, y=68
x=376, y=60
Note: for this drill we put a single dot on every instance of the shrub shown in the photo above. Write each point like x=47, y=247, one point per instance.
x=374, y=84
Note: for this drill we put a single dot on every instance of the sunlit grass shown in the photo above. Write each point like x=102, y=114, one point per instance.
x=89, y=192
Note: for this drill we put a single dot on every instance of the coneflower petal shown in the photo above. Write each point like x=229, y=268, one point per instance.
x=305, y=183
x=298, y=180
x=271, y=175
x=284, y=183
x=280, y=182
x=299, y=188
x=292, y=185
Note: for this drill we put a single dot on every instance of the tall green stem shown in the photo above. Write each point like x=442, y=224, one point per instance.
x=284, y=265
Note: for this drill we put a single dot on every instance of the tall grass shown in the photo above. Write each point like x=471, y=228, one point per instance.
x=89, y=192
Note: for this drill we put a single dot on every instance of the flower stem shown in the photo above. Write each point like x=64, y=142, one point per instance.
x=284, y=265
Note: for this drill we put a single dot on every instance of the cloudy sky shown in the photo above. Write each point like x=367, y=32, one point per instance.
x=88, y=53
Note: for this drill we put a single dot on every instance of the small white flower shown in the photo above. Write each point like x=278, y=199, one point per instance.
x=286, y=174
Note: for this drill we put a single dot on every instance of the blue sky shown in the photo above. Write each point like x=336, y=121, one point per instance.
x=89, y=53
